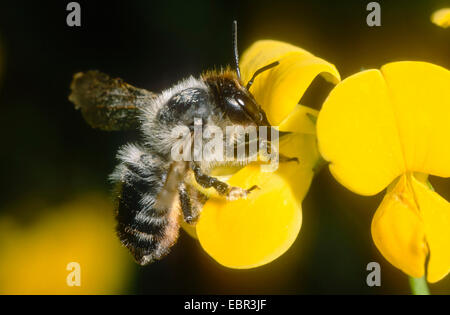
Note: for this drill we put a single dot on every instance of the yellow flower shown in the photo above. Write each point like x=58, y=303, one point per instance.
x=252, y=232
x=34, y=256
x=441, y=17
x=391, y=127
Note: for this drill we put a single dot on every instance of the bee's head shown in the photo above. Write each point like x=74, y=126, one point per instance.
x=232, y=96
x=234, y=99
x=237, y=101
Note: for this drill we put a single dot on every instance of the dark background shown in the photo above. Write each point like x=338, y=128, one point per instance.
x=49, y=153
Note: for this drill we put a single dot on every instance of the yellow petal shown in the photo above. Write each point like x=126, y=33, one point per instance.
x=357, y=133
x=441, y=17
x=301, y=120
x=435, y=211
x=34, y=256
x=411, y=222
x=376, y=125
x=252, y=232
x=398, y=230
x=279, y=90
x=420, y=95
x=189, y=228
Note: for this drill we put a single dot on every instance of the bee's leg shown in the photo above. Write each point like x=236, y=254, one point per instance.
x=186, y=206
x=230, y=192
x=269, y=154
x=284, y=159
x=191, y=201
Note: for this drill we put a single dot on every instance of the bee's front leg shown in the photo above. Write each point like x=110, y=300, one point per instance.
x=283, y=159
x=192, y=201
x=186, y=206
x=230, y=192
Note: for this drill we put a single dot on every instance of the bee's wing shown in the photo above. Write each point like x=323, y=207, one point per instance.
x=107, y=103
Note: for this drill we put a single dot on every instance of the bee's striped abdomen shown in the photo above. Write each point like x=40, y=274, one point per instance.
x=145, y=228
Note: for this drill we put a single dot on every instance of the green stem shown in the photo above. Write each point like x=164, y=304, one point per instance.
x=419, y=286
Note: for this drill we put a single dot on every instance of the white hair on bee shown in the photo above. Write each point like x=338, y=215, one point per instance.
x=147, y=200
x=150, y=111
x=155, y=131
x=133, y=154
x=129, y=153
x=145, y=218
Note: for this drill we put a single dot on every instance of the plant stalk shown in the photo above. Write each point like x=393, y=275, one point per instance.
x=419, y=286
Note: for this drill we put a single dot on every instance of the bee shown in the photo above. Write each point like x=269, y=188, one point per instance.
x=152, y=188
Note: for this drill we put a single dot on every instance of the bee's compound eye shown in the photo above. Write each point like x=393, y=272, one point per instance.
x=235, y=109
x=239, y=100
x=233, y=103
x=251, y=109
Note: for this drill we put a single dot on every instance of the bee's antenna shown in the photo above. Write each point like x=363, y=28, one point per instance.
x=235, y=49
x=260, y=70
